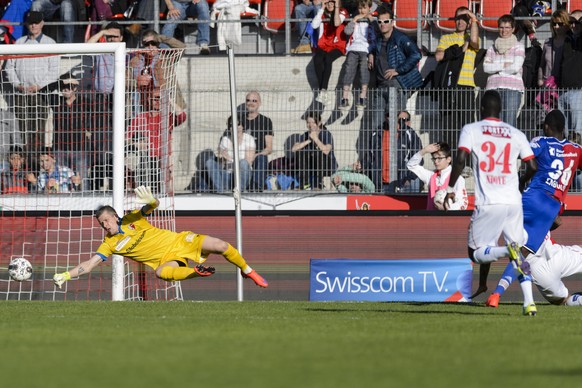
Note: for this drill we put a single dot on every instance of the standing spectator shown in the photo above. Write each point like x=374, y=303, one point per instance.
x=30, y=78
x=407, y=145
x=148, y=68
x=331, y=43
x=261, y=128
x=221, y=169
x=16, y=179
x=361, y=32
x=495, y=148
x=314, y=155
x=180, y=9
x=395, y=59
x=571, y=101
x=550, y=66
x=102, y=103
x=438, y=179
x=150, y=132
x=55, y=178
x=67, y=10
x=456, y=53
x=73, y=131
x=504, y=61
x=305, y=9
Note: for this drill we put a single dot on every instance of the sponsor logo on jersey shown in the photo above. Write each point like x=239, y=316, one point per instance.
x=190, y=237
x=131, y=226
x=496, y=131
x=122, y=243
x=136, y=243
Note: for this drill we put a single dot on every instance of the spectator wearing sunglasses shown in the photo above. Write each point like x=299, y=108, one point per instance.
x=571, y=101
x=550, y=65
x=147, y=67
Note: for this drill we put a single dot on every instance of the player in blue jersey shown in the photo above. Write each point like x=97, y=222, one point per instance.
x=543, y=199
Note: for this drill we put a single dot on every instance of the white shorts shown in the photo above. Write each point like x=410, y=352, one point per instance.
x=489, y=222
x=555, y=263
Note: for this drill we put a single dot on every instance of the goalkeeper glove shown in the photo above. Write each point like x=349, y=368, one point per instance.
x=60, y=278
x=144, y=195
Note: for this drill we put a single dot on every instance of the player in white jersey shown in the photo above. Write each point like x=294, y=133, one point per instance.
x=550, y=265
x=495, y=148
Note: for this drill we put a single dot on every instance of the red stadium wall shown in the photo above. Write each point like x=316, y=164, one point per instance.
x=280, y=247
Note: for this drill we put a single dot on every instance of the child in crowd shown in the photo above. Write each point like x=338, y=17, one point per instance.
x=361, y=32
x=331, y=43
x=439, y=178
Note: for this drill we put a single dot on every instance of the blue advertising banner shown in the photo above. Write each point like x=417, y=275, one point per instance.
x=435, y=280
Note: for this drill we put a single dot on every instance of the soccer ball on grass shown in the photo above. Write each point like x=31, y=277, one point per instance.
x=20, y=269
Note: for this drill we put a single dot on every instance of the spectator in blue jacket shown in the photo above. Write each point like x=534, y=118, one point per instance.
x=395, y=61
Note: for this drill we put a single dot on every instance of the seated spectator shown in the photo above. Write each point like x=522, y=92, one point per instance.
x=15, y=12
x=67, y=10
x=408, y=144
x=438, y=179
x=221, y=169
x=54, y=178
x=16, y=178
x=305, y=9
x=73, y=129
x=504, y=62
x=351, y=179
x=314, y=154
x=151, y=133
x=180, y=10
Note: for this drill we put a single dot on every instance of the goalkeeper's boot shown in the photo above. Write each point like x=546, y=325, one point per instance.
x=493, y=300
x=258, y=279
x=530, y=310
x=203, y=271
x=517, y=260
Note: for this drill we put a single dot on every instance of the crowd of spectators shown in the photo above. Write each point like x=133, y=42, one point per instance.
x=384, y=58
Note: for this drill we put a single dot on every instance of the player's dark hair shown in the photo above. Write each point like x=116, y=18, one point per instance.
x=556, y=121
x=14, y=149
x=490, y=104
x=105, y=209
x=315, y=116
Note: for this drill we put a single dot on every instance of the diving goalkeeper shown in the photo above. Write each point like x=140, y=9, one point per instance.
x=165, y=251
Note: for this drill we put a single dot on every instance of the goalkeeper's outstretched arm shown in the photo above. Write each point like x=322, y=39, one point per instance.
x=144, y=195
x=83, y=268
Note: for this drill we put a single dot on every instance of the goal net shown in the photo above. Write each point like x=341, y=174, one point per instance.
x=82, y=126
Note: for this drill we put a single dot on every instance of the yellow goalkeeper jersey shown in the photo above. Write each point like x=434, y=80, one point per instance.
x=141, y=241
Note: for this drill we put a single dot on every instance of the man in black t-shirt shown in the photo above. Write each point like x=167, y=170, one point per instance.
x=261, y=128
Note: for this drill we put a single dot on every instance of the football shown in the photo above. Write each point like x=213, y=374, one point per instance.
x=20, y=269
x=439, y=199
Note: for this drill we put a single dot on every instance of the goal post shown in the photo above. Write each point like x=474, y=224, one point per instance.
x=56, y=230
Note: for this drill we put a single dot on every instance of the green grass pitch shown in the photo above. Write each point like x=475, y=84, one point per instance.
x=287, y=344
